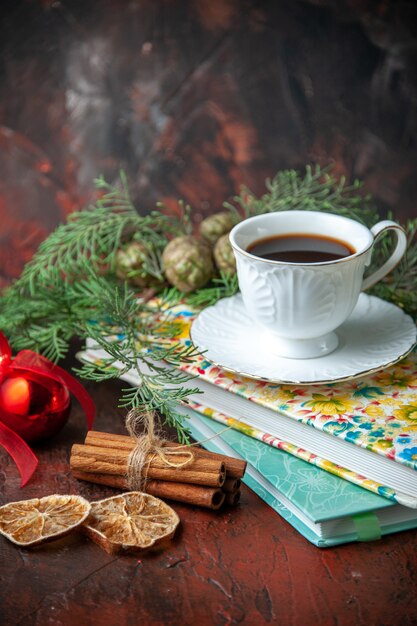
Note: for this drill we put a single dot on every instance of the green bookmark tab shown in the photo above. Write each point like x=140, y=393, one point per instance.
x=367, y=526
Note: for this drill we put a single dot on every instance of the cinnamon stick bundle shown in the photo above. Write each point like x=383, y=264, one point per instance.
x=209, y=480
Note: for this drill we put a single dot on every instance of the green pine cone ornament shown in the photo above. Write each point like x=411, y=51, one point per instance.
x=216, y=225
x=223, y=255
x=187, y=263
x=129, y=265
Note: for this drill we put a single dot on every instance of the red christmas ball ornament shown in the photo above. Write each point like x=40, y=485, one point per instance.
x=34, y=410
x=34, y=403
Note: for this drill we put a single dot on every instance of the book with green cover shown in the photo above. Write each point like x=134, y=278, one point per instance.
x=324, y=508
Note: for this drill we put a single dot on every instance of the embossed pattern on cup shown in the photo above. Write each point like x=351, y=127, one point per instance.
x=297, y=302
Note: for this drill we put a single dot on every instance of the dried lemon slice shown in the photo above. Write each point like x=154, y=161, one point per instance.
x=31, y=522
x=130, y=522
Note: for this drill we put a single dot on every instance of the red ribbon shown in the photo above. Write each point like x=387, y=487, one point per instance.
x=58, y=382
x=20, y=452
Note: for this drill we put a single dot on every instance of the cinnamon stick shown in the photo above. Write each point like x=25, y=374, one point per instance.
x=209, y=472
x=208, y=497
x=235, y=467
x=232, y=499
x=231, y=484
x=198, y=464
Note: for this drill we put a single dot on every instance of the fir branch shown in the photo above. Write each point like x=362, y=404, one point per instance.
x=317, y=190
x=224, y=286
x=100, y=371
x=96, y=233
x=159, y=388
x=184, y=213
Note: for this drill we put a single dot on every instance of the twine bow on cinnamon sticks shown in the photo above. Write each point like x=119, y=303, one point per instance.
x=166, y=469
x=149, y=445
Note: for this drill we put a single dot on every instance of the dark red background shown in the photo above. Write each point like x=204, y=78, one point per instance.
x=193, y=98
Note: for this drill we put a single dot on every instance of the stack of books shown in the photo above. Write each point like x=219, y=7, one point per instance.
x=337, y=461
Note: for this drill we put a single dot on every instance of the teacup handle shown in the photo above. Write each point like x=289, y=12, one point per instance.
x=395, y=257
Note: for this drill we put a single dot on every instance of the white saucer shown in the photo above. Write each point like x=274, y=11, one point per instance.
x=376, y=334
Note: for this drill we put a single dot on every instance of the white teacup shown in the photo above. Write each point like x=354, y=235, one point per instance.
x=300, y=305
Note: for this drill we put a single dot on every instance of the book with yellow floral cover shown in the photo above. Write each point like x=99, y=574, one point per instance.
x=363, y=430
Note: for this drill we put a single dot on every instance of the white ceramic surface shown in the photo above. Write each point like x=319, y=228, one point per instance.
x=300, y=305
x=375, y=335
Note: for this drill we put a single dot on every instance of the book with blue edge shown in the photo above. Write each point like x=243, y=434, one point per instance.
x=324, y=508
